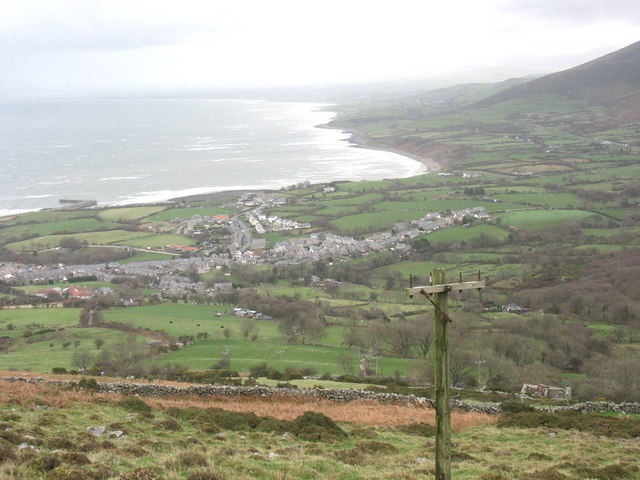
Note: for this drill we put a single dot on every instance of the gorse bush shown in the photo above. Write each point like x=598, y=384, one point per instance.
x=133, y=404
x=596, y=424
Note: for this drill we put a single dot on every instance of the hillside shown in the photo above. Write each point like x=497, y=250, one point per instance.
x=616, y=73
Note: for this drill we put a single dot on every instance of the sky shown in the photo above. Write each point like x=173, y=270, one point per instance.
x=73, y=45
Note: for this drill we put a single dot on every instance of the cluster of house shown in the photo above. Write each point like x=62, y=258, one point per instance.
x=272, y=223
x=261, y=200
x=244, y=313
x=435, y=220
x=463, y=174
x=318, y=246
x=74, y=292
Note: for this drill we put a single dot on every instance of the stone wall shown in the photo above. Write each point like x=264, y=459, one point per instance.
x=334, y=394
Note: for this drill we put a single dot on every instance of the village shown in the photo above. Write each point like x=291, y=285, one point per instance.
x=224, y=241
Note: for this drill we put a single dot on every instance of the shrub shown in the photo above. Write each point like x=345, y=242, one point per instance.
x=546, y=474
x=314, y=426
x=169, y=424
x=134, y=404
x=286, y=385
x=59, y=370
x=515, y=406
x=88, y=384
x=66, y=472
x=352, y=456
x=419, y=428
x=377, y=447
x=191, y=459
x=202, y=475
x=6, y=451
x=596, y=424
x=57, y=443
x=141, y=473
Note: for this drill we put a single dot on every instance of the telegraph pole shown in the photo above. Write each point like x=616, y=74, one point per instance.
x=437, y=293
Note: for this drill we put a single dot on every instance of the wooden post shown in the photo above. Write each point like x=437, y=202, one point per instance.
x=437, y=294
x=443, y=380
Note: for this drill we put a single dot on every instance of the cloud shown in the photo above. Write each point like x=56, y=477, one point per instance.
x=63, y=25
x=576, y=11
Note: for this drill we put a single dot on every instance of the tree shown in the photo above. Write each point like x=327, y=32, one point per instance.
x=401, y=337
x=351, y=337
x=90, y=315
x=346, y=362
x=98, y=342
x=82, y=360
x=248, y=328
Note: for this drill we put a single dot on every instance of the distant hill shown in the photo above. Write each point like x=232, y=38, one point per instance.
x=612, y=80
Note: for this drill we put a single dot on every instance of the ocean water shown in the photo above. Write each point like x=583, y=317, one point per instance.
x=139, y=151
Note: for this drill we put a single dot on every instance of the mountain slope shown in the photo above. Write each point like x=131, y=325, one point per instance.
x=613, y=79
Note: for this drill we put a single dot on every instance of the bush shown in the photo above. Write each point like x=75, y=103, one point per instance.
x=88, y=384
x=202, y=475
x=134, y=404
x=313, y=426
x=59, y=370
x=286, y=385
x=419, y=428
x=141, y=473
x=515, y=406
x=191, y=459
x=596, y=424
x=6, y=451
x=66, y=472
x=169, y=424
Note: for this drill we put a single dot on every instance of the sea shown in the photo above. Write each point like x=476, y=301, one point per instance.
x=131, y=151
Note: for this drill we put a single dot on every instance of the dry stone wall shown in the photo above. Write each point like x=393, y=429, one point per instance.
x=334, y=394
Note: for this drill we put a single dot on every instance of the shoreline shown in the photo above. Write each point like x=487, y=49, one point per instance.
x=361, y=140
x=355, y=138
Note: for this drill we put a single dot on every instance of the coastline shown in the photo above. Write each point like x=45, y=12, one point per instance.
x=348, y=137
x=361, y=140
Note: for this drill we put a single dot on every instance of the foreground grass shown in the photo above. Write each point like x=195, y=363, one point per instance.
x=200, y=439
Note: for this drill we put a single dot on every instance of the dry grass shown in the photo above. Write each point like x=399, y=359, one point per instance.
x=362, y=412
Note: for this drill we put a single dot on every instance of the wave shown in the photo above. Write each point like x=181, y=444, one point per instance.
x=5, y=212
x=107, y=179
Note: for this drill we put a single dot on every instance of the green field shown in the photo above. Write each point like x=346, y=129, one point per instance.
x=92, y=238
x=61, y=227
x=157, y=241
x=178, y=320
x=42, y=351
x=540, y=219
x=188, y=212
x=128, y=213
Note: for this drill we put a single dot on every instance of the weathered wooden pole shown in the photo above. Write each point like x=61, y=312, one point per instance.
x=437, y=293
x=443, y=380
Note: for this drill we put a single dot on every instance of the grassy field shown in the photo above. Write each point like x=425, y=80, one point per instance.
x=93, y=238
x=129, y=213
x=271, y=345
x=539, y=219
x=224, y=439
x=187, y=213
x=62, y=227
x=40, y=352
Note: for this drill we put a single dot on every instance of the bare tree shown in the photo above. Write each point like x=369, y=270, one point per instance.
x=82, y=359
x=249, y=328
x=401, y=337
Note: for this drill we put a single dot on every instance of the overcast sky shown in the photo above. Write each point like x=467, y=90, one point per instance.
x=50, y=45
